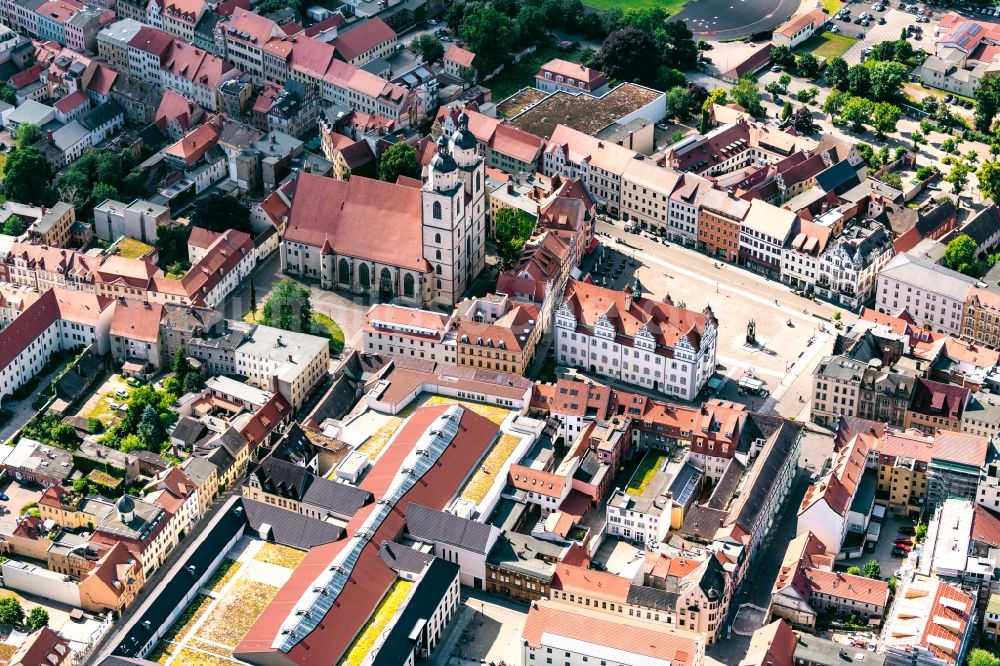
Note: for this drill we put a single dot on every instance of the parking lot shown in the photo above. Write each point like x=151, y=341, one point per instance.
x=18, y=496
x=883, y=549
x=896, y=21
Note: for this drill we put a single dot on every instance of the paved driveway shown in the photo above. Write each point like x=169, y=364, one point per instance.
x=19, y=496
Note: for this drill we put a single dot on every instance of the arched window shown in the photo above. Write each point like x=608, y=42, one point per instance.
x=439, y=283
x=345, y=271
x=363, y=278
x=437, y=269
x=385, y=283
x=437, y=237
x=436, y=210
x=408, y=285
x=438, y=254
x=478, y=184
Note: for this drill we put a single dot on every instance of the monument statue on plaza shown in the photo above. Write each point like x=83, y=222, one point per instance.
x=751, y=332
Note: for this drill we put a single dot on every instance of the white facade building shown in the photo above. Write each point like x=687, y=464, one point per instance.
x=933, y=295
x=672, y=350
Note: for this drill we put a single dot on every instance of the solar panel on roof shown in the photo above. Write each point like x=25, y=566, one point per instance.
x=975, y=29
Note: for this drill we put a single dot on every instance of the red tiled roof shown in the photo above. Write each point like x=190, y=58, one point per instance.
x=772, y=645
x=195, y=65
x=137, y=320
x=189, y=11
x=371, y=577
x=666, y=322
x=841, y=483
x=394, y=314
x=512, y=329
x=536, y=481
x=222, y=256
x=592, y=77
x=29, y=75
x=944, y=445
x=800, y=21
x=175, y=106
x=985, y=526
x=461, y=57
x=848, y=586
x=70, y=102
x=935, y=398
x=370, y=34
x=152, y=40
x=28, y=327
x=335, y=21
x=945, y=612
x=338, y=213
x=581, y=580
x=102, y=80
x=654, y=641
x=193, y=146
x=59, y=11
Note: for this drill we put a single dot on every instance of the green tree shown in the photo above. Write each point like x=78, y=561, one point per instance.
x=807, y=66
x=958, y=177
x=989, y=179
x=873, y=570
x=859, y=80
x=921, y=532
x=893, y=180
x=172, y=243
x=884, y=117
x=786, y=110
x=13, y=226
x=399, y=159
x=37, y=618
x=27, y=176
x=75, y=187
x=288, y=307
x=716, y=96
x=629, y=55
x=514, y=228
x=836, y=73
x=960, y=255
x=746, y=94
x=891, y=583
x=8, y=95
x=531, y=25
x=981, y=657
x=917, y=138
x=130, y=443
x=676, y=42
x=987, y=99
x=151, y=429
x=220, y=212
x=854, y=571
x=783, y=81
x=253, y=298
x=678, y=103
x=887, y=79
x=11, y=611
x=834, y=102
x=81, y=487
x=181, y=365
x=27, y=134
x=706, y=122
x=857, y=111
x=102, y=192
x=428, y=48
x=489, y=34
x=782, y=56
x=192, y=382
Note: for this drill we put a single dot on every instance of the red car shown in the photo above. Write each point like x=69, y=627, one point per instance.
x=904, y=547
x=902, y=540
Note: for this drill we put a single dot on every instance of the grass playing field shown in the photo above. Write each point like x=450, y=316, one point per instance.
x=672, y=6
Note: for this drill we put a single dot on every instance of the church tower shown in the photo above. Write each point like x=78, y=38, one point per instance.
x=454, y=215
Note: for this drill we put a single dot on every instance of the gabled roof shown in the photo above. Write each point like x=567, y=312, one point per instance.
x=427, y=524
x=366, y=36
x=337, y=213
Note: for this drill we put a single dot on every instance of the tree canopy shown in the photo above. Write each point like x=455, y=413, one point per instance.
x=289, y=307
x=629, y=54
x=27, y=177
x=513, y=229
x=428, y=48
x=220, y=212
x=11, y=611
x=746, y=94
x=399, y=159
x=37, y=618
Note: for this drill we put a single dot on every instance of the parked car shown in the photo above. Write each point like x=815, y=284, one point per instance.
x=904, y=541
x=899, y=552
x=947, y=100
x=861, y=35
x=833, y=29
x=907, y=530
x=775, y=68
x=3, y=497
x=881, y=20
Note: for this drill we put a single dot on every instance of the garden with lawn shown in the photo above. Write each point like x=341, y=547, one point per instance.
x=645, y=473
x=517, y=75
x=826, y=45
x=282, y=556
